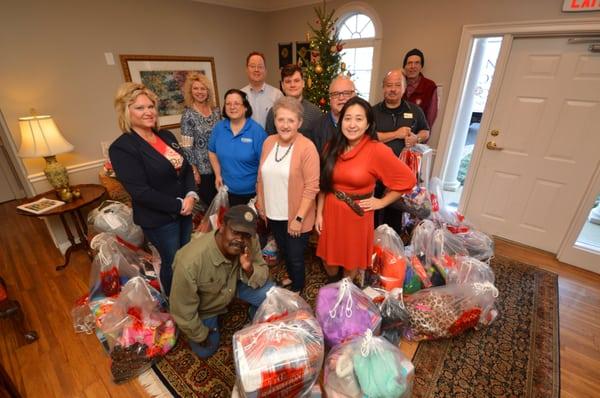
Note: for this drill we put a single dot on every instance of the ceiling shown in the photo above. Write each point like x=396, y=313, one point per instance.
x=261, y=5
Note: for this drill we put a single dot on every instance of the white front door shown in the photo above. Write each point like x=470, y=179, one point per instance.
x=547, y=120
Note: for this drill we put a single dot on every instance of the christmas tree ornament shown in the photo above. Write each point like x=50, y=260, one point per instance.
x=333, y=49
x=309, y=82
x=339, y=47
x=343, y=66
x=318, y=69
x=322, y=102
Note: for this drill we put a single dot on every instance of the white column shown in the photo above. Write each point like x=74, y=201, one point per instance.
x=450, y=183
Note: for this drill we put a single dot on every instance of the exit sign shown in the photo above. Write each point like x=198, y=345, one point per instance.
x=581, y=5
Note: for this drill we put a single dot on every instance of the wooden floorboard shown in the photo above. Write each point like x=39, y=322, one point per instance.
x=64, y=364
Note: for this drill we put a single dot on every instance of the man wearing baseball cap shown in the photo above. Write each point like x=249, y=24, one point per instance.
x=420, y=90
x=210, y=271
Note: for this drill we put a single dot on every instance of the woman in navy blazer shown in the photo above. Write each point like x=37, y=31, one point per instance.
x=152, y=168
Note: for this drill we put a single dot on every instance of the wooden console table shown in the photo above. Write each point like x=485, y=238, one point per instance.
x=89, y=194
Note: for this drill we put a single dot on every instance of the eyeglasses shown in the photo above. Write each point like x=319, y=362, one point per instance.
x=339, y=94
x=256, y=67
x=233, y=104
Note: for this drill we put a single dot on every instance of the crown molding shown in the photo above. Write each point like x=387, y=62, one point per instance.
x=261, y=5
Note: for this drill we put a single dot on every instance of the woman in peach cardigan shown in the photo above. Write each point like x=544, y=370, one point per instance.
x=287, y=185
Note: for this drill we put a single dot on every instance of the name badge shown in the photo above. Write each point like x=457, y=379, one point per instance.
x=408, y=115
x=247, y=140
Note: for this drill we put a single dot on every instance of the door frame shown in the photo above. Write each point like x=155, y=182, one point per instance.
x=459, y=79
x=18, y=168
x=579, y=256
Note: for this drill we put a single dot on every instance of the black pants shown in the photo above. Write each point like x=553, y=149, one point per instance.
x=235, y=199
x=293, y=249
x=206, y=189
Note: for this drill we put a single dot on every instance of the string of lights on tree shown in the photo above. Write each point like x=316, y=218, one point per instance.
x=324, y=60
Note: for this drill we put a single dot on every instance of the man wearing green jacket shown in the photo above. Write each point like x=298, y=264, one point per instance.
x=210, y=270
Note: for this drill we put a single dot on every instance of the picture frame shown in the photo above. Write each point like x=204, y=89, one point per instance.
x=165, y=76
x=41, y=206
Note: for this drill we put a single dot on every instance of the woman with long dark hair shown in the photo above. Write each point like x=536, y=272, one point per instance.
x=352, y=162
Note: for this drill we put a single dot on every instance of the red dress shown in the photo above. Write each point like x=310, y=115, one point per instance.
x=346, y=238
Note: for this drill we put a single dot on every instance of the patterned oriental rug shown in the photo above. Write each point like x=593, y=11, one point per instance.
x=517, y=356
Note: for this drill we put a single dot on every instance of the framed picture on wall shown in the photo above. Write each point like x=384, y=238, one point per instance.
x=165, y=76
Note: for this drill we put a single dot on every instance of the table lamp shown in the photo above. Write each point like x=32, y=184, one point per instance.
x=40, y=137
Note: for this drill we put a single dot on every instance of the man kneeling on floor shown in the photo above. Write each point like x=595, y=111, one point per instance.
x=210, y=270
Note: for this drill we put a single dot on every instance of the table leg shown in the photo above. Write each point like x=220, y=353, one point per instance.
x=71, y=239
x=83, y=243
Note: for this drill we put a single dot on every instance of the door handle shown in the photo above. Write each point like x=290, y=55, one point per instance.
x=491, y=145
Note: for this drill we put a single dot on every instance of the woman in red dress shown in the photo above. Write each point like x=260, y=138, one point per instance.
x=352, y=162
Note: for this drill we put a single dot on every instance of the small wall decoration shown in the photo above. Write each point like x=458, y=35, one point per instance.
x=286, y=56
x=165, y=76
x=302, y=53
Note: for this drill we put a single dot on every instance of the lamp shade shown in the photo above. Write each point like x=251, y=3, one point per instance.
x=40, y=137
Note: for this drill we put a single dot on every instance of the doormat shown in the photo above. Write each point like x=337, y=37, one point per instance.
x=518, y=355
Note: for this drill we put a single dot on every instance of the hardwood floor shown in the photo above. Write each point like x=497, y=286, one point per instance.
x=65, y=364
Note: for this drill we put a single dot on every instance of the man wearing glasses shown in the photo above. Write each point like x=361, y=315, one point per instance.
x=261, y=95
x=341, y=90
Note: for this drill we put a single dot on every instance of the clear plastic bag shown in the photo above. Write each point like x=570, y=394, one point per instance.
x=478, y=244
x=116, y=218
x=279, y=359
x=445, y=247
x=448, y=311
x=343, y=311
x=270, y=251
x=440, y=214
x=113, y=265
x=368, y=366
x=214, y=215
x=279, y=304
x=417, y=203
x=389, y=262
x=136, y=330
x=470, y=270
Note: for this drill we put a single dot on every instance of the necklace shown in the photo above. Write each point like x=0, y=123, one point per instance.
x=284, y=155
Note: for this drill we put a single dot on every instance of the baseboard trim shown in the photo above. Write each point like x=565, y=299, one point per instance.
x=73, y=169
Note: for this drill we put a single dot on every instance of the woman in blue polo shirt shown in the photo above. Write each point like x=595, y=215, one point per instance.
x=234, y=148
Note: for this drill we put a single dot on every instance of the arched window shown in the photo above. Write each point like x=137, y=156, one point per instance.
x=358, y=32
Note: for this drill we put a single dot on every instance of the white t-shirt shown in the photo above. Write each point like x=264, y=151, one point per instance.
x=275, y=176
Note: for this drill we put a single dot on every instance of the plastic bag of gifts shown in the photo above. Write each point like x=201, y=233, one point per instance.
x=344, y=311
x=448, y=311
x=214, y=214
x=470, y=270
x=278, y=304
x=389, y=262
x=117, y=218
x=394, y=317
x=478, y=244
x=270, y=250
x=444, y=250
x=137, y=331
x=280, y=358
x=440, y=214
x=113, y=266
x=417, y=203
x=367, y=366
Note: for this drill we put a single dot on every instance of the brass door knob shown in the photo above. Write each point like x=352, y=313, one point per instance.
x=494, y=133
x=491, y=145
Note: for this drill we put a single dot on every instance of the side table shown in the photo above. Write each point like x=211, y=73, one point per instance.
x=89, y=194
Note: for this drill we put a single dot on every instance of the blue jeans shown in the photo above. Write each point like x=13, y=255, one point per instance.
x=293, y=249
x=254, y=297
x=168, y=239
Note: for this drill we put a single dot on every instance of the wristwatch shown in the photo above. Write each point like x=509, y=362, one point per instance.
x=299, y=219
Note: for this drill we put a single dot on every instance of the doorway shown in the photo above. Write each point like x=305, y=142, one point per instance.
x=482, y=64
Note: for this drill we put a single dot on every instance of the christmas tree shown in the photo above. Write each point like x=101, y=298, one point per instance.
x=324, y=60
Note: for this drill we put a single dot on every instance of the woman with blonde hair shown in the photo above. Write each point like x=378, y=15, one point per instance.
x=287, y=185
x=151, y=166
x=199, y=117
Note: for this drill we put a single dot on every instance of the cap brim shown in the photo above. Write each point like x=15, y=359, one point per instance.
x=243, y=228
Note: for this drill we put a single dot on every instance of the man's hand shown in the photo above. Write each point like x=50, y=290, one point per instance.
x=403, y=132
x=411, y=140
x=245, y=261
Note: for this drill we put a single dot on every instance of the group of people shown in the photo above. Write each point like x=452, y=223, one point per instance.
x=307, y=170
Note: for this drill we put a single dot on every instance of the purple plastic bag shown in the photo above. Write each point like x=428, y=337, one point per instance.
x=343, y=311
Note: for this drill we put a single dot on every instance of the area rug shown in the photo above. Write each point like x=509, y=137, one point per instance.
x=515, y=357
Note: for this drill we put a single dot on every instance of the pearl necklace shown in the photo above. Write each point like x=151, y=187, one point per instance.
x=284, y=155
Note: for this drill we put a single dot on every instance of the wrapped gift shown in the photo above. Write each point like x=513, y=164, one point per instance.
x=367, y=366
x=279, y=304
x=389, y=262
x=344, y=311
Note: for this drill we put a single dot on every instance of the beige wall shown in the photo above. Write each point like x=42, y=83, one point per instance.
x=53, y=58
x=434, y=26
